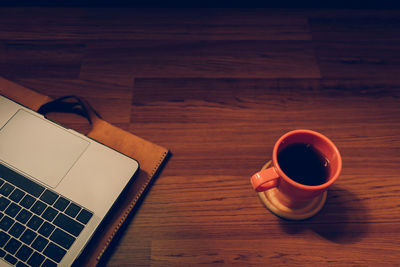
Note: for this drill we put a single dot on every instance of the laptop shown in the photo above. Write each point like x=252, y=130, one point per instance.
x=56, y=186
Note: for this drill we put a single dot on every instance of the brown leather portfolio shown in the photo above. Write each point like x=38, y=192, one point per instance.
x=150, y=156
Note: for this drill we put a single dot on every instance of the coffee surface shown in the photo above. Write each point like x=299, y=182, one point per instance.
x=304, y=164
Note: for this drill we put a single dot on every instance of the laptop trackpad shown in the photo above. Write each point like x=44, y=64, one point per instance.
x=39, y=148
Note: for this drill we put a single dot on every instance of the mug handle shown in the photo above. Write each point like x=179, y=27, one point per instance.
x=265, y=179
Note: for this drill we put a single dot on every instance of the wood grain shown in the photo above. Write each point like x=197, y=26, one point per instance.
x=204, y=59
x=218, y=87
x=363, y=47
x=30, y=59
x=373, y=25
x=158, y=24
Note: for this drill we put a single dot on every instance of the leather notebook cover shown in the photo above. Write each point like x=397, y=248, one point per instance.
x=150, y=156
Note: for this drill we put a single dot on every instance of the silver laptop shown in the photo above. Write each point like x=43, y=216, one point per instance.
x=56, y=186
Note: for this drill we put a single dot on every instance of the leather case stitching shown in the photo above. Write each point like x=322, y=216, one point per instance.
x=132, y=204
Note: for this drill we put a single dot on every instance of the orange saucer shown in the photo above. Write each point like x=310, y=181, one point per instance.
x=306, y=211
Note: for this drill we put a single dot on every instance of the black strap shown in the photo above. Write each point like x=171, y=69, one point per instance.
x=69, y=104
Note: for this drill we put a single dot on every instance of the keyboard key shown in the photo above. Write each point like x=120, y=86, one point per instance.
x=1, y=182
x=46, y=229
x=12, y=210
x=62, y=238
x=27, y=201
x=49, y=214
x=68, y=224
x=24, y=253
x=12, y=246
x=2, y=253
x=20, y=181
x=21, y=264
x=24, y=216
x=72, y=210
x=38, y=207
x=28, y=236
x=4, y=237
x=54, y=252
x=49, y=263
x=84, y=216
x=17, y=195
x=61, y=204
x=35, y=260
x=12, y=260
x=17, y=229
x=34, y=223
x=6, y=189
x=4, y=203
x=39, y=243
x=49, y=197
x=6, y=223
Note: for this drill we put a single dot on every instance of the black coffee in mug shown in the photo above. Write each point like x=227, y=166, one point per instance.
x=304, y=164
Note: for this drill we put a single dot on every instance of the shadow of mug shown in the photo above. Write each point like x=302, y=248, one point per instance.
x=343, y=220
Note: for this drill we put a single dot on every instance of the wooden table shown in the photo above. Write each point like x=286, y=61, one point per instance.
x=218, y=87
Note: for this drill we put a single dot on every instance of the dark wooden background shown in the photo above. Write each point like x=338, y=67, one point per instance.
x=218, y=87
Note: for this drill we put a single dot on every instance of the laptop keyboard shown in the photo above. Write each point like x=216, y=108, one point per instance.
x=37, y=225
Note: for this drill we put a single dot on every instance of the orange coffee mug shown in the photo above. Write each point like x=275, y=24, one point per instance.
x=304, y=164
